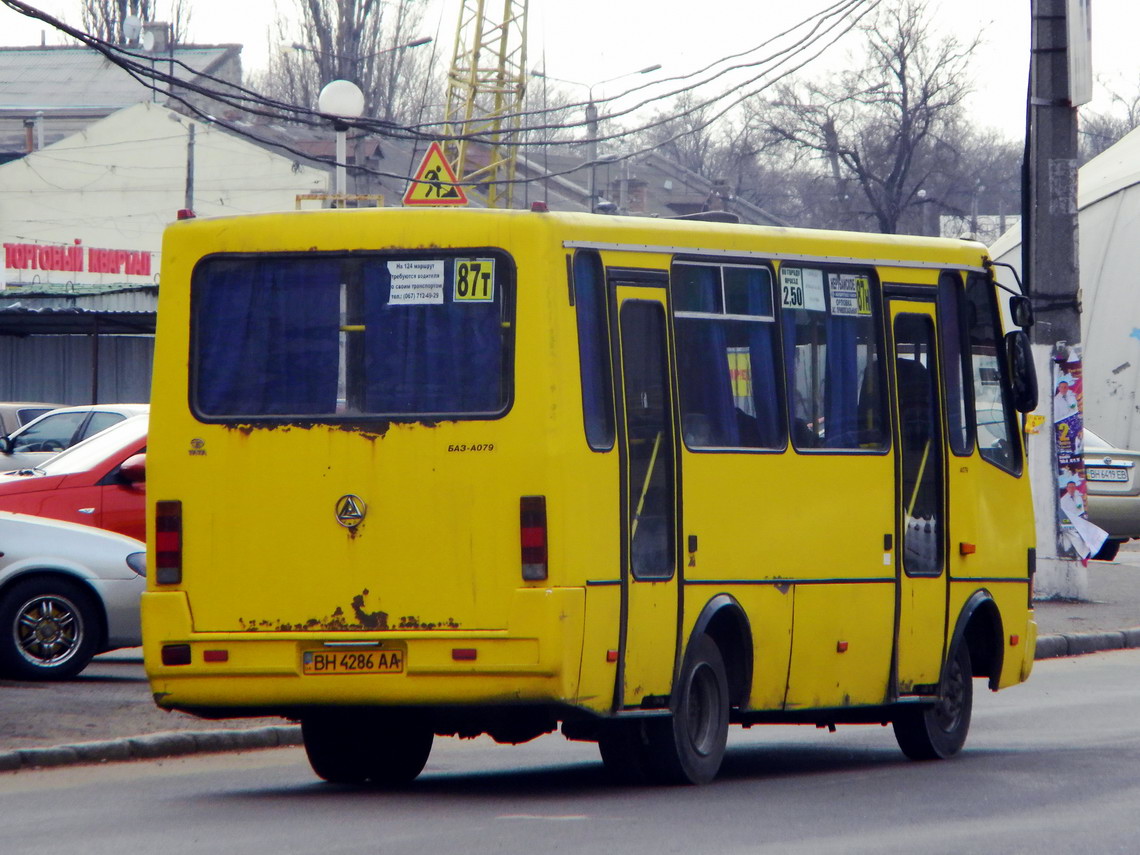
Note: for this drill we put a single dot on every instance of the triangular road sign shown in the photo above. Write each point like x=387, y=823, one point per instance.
x=435, y=182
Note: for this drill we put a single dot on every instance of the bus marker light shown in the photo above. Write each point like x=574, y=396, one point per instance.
x=966, y=548
x=1014, y=640
x=216, y=656
x=464, y=654
x=532, y=536
x=176, y=654
x=611, y=656
x=841, y=647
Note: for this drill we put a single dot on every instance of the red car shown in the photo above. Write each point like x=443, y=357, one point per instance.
x=99, y=482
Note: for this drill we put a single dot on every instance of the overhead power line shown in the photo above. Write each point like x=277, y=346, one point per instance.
x=810, y=38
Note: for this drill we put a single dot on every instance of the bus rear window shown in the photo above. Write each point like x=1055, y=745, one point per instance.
x=328, y=336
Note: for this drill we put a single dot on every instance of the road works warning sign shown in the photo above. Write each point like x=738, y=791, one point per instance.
x=435, y=182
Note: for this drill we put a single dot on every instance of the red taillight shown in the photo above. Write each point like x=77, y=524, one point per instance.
x=168, y=543
x=532, y=535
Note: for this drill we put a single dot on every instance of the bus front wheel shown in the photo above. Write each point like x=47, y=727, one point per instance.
x=688, y=746
x=939, y=731
x=385, y=748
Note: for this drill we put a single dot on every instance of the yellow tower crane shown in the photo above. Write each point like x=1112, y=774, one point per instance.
x=485, y=90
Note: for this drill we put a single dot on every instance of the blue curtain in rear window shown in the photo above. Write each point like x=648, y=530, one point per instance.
x=431, y=358
x=267, y=336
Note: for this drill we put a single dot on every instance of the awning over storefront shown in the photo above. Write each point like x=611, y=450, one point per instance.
x=22, y=321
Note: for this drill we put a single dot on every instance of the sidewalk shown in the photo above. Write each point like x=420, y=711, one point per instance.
x=1108, y=620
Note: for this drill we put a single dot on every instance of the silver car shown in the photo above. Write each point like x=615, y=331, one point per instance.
x=67, y=592
x=54, y=431
x=1113, y=482
x=15, y=414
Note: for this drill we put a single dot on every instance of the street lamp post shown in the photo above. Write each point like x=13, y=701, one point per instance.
x=341, y=99
x=592, y=118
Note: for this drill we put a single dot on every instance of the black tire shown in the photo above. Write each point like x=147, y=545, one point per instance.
x=1108, y=550
x=939, y=731
x=49, y=630
x=687, y=747
x=385, y=748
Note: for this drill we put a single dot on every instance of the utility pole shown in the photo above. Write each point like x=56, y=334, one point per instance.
x=1049, y=257
x=189, y=200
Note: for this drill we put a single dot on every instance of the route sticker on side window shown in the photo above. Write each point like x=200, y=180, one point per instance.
x=850, y=295
x=416, y=283
x=474, y=280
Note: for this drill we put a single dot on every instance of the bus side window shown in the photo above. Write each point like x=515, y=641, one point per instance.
x=727, y=357
x=993, y=415
x=956, y=364
x=834, y=375
x=594, y=350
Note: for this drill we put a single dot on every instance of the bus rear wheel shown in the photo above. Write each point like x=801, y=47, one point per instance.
x=384, y=748
x=688, y=746
x=939, y=731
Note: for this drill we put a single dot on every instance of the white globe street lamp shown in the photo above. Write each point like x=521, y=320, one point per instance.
x=341, y=99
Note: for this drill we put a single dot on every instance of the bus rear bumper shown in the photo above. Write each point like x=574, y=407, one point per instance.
x=536, y=660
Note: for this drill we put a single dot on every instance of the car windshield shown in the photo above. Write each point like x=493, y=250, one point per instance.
x=84, y=455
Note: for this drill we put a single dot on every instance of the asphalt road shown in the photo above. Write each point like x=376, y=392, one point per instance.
x=111, y=700
x=1050, y=767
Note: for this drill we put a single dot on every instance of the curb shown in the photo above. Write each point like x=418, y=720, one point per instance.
x=150, y=747
x=177, y=743
x=1080, y=643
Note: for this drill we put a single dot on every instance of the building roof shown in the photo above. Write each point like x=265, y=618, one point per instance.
x=73, y=85
x=77, y=77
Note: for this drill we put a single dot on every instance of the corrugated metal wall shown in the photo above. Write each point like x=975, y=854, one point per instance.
x=58, y=369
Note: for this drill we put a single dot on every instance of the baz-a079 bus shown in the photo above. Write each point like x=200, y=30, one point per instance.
x=423, y=473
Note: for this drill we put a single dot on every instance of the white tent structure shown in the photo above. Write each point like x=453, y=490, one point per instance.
x=1108, y=200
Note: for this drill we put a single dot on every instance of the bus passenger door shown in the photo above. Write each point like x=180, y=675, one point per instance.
x=648, y=450
x=921, y=500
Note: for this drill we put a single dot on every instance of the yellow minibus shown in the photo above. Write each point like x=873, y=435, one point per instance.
x=419, y=473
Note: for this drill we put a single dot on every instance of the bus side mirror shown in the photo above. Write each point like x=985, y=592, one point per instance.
x=5, y=445
x=1021, y=310
x=1022, y=376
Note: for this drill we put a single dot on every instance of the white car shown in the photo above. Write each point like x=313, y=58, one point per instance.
x=67, y=592
x=54, y=431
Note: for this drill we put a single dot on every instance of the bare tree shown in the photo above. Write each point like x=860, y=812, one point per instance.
x=689, y=139
x=1100, y=130
x=365, y=41
x=878, y=129
x=104, y=19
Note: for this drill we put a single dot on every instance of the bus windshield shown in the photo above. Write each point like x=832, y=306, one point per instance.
x=327, y=336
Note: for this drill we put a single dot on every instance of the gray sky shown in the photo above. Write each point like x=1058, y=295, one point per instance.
x=592, y=40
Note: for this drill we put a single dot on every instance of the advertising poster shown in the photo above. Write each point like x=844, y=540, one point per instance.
x=1076, y=536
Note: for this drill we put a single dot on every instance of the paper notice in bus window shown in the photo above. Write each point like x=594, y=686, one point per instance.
x=416, y=283
x=850, y=295
x=813, y=291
